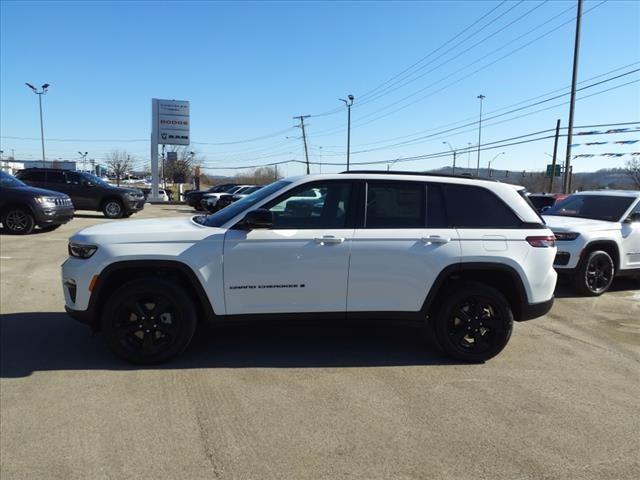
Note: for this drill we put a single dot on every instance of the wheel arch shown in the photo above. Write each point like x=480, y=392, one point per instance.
x=503, y=278
x=609, y=246
x=115, y=274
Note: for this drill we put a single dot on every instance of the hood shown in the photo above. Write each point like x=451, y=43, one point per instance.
x=135, y=191
x=154, y=230
x=560, y=223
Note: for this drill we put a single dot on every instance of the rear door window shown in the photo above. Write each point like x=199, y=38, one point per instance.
x=27, y=176
x=396, y=205
x=56, y=178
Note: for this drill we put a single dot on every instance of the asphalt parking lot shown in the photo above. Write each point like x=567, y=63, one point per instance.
x=314, y=401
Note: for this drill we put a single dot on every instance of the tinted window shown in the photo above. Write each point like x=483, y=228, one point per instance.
x=323, y=205
x=476, y=207
x=31, y=176
x=597, y=207
x=73, y=178
x=56, y=177
x=636, y=209
x=395, y=205
x=436, y=212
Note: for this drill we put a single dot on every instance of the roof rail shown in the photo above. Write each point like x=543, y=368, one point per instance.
x=426, y=174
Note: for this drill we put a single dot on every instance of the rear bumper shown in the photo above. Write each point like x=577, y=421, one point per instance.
x=530, y=311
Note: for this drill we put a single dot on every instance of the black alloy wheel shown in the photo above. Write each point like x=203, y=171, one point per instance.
x=595, y=274
x=149, y=321
x=18, y=221
x=474, y=324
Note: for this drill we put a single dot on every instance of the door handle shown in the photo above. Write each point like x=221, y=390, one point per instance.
x=435, y=240
x=328, y=240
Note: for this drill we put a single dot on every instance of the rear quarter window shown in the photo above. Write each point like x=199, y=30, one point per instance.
x=476, y=207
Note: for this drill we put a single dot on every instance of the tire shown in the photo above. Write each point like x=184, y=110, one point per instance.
x=18, y=221
x=595, y=274
x=113, y=209
x=148, y=321
x=474, y=324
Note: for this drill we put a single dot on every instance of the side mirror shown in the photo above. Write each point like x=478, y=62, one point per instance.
x=89, y=184
x=260, y=218
x=633, y=218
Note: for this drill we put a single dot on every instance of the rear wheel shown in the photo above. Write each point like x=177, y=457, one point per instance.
x=113, y=209
x=595, y=274
x=148, y=320
x=474, y=324
x=18, y=221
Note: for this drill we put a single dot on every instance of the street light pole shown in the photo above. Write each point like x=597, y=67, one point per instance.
x=43, y=91
x=454, y=156
x=348, y=105
x=480, y=97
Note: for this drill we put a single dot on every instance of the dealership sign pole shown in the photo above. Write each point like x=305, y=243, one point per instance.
x=170, y=125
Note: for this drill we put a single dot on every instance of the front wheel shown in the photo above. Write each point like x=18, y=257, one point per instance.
x=18, y=221
x=113, y=209
x=148, y=320
x=474, y=324
x=595, y=274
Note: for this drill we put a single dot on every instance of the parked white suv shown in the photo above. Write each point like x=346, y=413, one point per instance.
x=465, y=257
x=598, y=237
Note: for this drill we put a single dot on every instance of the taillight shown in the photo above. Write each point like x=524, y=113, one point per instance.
x=542, y=242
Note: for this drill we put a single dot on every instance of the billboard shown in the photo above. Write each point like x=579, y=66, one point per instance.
x=172, y=122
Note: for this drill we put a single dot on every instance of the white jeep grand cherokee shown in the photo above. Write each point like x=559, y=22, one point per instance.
x=598, y=236
x=465, y=257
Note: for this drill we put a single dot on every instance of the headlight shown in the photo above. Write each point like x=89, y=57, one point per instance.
x=131, y=195
x=48, y=202
x=566, y=236
x=81, y=251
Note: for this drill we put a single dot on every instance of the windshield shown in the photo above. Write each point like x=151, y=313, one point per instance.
x=597, y=207
x=9, y=181
x=95, y=179
x=223, y=216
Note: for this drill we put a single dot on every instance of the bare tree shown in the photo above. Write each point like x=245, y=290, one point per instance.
x=120, y=162
x=632, y=170
x=259, y=176
x=183, y=167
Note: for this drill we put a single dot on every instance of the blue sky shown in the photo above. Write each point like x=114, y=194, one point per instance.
x=248, y=67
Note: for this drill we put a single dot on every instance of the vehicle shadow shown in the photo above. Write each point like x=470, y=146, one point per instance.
x=42, y=341
x=620, y=284
x=90, y=215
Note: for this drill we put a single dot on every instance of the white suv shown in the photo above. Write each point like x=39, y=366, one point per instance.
x=465, y=257
x=598, y=237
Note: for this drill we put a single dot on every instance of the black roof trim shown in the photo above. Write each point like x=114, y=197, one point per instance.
x=424, y=174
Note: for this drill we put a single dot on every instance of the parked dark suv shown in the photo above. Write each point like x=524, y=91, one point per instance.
x=22, y=207
x=87, y=191
x=194, y=197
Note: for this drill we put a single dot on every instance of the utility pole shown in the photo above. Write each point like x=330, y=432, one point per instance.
x=572, y=104
x=454, y=156
x=348, y=104
x=553, y=160
x=480, y=97
x=304, y=138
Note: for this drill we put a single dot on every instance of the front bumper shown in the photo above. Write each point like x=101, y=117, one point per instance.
x=85, y=317
x=54, y=216
x=132, y=206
